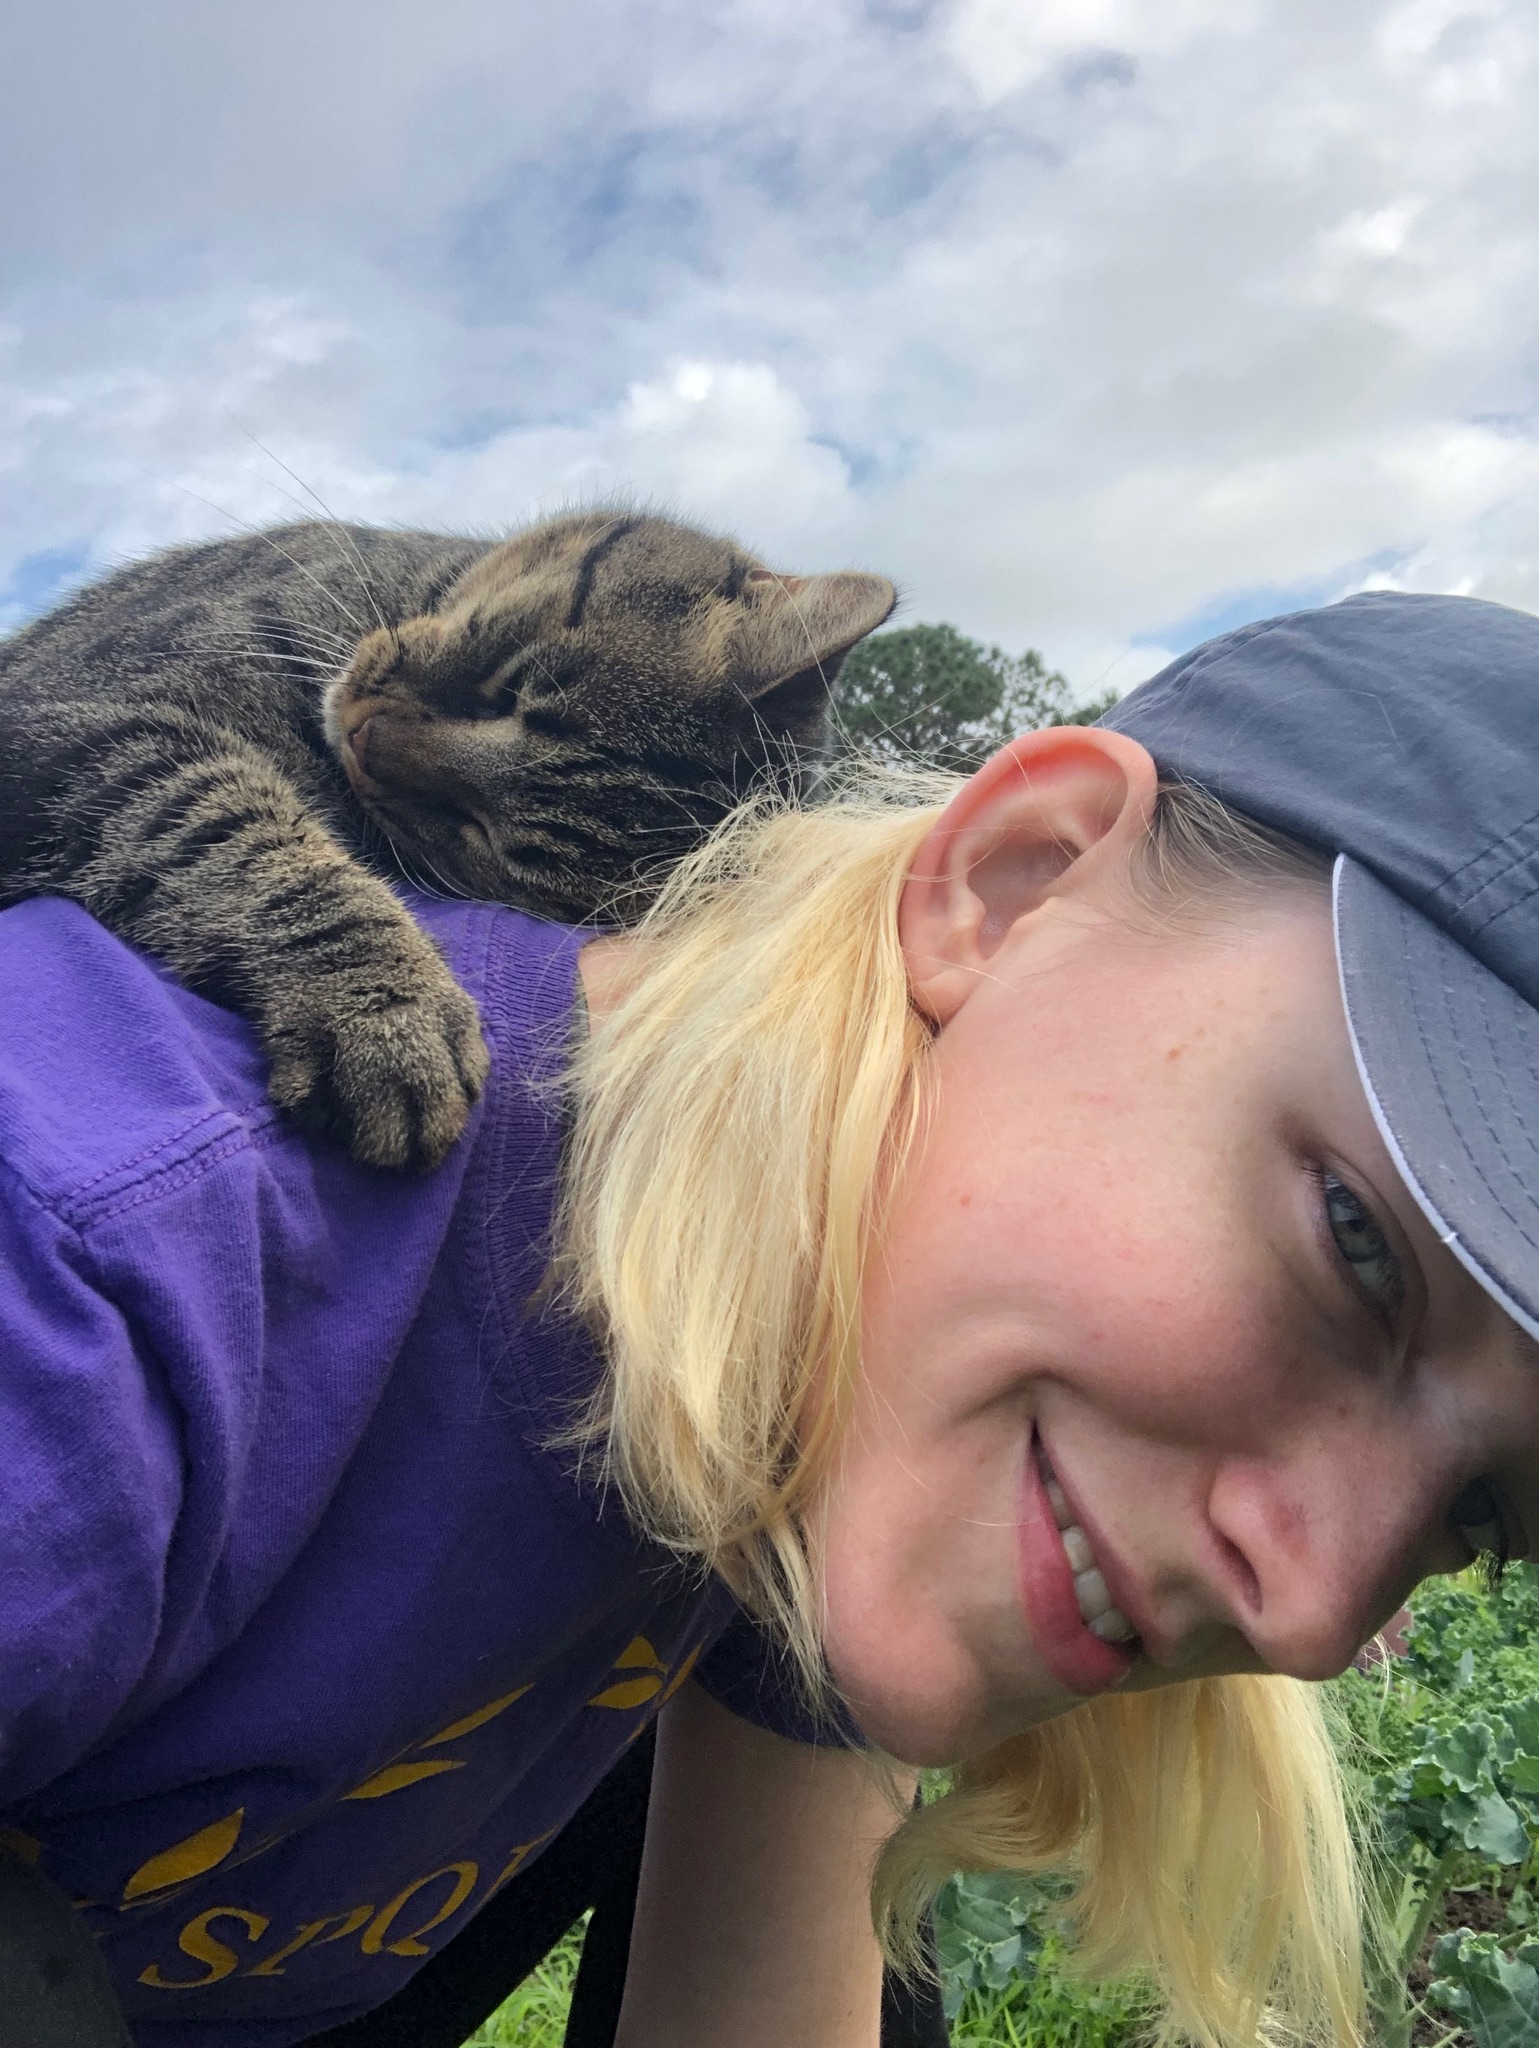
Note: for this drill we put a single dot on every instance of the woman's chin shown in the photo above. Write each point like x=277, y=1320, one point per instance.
x=924, y=1745
x=933, y=1729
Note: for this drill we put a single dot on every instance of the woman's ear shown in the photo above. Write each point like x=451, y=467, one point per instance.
x=1053, y=814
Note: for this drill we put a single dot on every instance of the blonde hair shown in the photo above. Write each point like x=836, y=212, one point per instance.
x=754, y=1086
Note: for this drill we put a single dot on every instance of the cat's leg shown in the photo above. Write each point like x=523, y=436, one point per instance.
x=208, y=856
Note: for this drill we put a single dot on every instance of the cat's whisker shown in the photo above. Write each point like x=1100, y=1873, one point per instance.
x=890, y=731
x=346, y=610
x=315, y=661
x=408, y=871
x=311, y=630
x=361, y=571
x=315, y=640
x=807, y=635
x=776, y=744
x=445, y=893
x=280, y=643
x=357, y=565
x=324, y=667
x=260, y=533
x=452, y=893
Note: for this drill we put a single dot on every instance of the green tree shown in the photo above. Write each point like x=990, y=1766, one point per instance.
x=929, y=694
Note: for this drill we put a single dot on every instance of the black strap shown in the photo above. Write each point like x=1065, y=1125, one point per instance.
x=54, y=1991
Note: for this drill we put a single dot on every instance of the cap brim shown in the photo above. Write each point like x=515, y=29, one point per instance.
x=1449, y=1057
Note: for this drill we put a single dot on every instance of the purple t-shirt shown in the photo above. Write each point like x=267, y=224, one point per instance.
x=309, y=1639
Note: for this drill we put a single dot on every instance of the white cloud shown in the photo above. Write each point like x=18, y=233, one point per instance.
x=1001, y=45
x=725, y=443
x=731, y=441
x=1374, y=235
x=1083, y=320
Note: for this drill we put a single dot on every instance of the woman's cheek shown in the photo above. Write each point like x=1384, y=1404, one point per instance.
x=1144, y=1274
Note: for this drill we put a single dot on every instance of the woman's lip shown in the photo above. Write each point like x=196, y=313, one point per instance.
x=1078, y=1659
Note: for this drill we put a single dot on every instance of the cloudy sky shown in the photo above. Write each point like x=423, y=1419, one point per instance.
x=1099, y=324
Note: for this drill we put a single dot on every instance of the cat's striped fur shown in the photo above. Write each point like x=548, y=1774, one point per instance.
x=228, y=752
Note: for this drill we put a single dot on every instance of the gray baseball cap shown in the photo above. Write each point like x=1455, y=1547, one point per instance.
x=1401, y=734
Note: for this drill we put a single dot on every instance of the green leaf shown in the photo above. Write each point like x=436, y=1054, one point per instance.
x=985, y=1919
x=1466, y=1754
x=1496, y=1831
x=1427, y=1779
x=1021, y=1894
x=1522, y=1773
x=1002, y=1962
x=1496, y=1996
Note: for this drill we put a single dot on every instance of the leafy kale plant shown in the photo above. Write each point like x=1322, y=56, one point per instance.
x=1496, y=1996
x=1450, y=1734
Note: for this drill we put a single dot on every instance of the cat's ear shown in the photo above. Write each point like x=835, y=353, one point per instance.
x=792, y=633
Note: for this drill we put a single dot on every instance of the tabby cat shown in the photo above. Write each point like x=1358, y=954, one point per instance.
x=227, y=752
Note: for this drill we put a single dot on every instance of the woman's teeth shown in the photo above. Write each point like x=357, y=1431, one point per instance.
x=1095, y=1602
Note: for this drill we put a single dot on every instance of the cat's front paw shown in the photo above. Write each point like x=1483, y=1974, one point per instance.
x=393, y=1076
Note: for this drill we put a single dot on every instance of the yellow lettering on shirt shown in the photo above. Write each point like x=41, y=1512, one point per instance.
x=204, y=1851
x=638, y=1654
x=681, y=1674
x=476, y=1720
x=521, y=1853
x=374, y=1942
x=191, y=1858
x=394, y=1776
x=313, y=1935
x=198, y=1941
x=630, y=1692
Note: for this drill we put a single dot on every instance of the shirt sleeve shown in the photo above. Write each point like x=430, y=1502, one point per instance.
x=751, y=1675
x=90, y=1490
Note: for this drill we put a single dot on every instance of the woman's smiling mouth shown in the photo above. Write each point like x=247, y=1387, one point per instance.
x=1101, y=1616
x=1082, y=1636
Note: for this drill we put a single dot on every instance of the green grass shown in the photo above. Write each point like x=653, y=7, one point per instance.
x=1049, y=2008
x=535, y=2016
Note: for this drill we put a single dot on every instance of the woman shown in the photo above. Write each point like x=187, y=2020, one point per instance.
x=987, y=1251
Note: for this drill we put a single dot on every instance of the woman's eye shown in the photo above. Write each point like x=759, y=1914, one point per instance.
x=1374, y=1263
x=1477, y=1515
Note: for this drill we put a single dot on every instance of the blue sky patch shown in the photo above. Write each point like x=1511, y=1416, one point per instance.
x=1232, y=608
x=40, y=579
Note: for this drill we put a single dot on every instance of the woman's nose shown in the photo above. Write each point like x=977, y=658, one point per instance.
x=1327, y=1549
